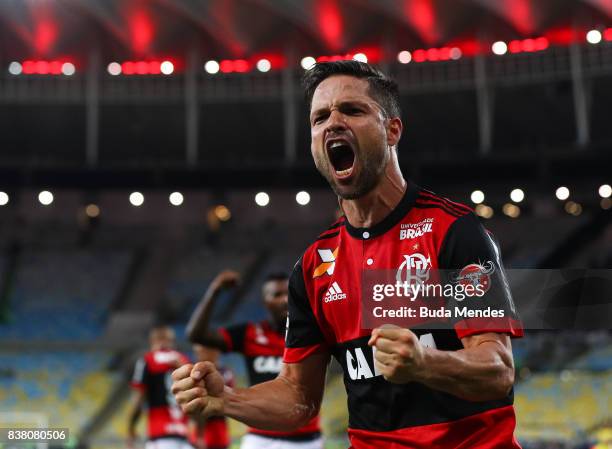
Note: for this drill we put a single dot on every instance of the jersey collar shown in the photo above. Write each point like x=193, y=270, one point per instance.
x=390, y=220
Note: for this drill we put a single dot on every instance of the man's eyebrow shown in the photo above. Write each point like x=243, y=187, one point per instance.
x=318, y=111
x=342, y=104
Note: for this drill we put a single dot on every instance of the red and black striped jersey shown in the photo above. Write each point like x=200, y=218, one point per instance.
x=424, y=232
x=263, y=347
x=153, y=376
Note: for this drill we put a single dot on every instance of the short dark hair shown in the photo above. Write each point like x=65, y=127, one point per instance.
x=382, y=88
x=276, y=276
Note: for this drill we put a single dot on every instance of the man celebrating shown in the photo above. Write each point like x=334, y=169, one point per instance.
x=421, y=388
x=262, y=344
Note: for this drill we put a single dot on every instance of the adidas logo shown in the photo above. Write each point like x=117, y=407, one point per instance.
x=334, y=293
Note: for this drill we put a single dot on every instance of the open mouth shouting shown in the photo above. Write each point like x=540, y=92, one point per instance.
x=341, y=154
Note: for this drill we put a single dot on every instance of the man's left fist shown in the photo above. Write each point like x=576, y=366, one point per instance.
x=398, y=354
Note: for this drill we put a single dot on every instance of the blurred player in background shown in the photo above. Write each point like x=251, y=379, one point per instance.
x=262, y=345
x=211, y=433
x=167, y=424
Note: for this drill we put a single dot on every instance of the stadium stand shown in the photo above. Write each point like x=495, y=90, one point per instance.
x=527, y=241
x=64, y=387
x=566, y=404
x=63, y=295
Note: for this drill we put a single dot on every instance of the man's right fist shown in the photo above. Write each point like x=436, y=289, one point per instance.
x=198, y=389
x=226, y=279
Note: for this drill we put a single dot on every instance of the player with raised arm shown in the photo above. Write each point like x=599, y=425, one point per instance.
x=262, y=344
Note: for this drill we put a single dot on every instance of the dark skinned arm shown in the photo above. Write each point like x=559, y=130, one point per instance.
x=198, y=330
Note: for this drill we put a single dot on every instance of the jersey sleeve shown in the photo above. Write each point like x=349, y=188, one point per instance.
x=140, y=375
x=303, y=336
x=470, y=255
x=234, y=337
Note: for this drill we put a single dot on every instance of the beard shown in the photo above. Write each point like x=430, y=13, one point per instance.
x=371, y=169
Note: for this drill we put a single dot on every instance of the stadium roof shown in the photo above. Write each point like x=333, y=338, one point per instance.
x=241, y=28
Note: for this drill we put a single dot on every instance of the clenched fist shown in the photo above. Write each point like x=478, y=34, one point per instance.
x=198, y=389
x=226, y=279
x=399, y=354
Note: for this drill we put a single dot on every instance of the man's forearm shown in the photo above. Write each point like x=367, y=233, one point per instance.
x=197, y=327
x=284, y=403
x=479, y=373
x=274, y=405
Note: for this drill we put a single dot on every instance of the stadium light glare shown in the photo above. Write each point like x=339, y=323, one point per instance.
x=262, y=199
x=142, y=67
x=167, y=68
x=404, y=57
x=68, y=68
x=517, y=195
x=263, y=65
x=239, y=66
x=28, y=67
x=484, y=211
x=511, y=210
x=573, y=208
x=57, y=67
x=499, y=48
x=529, y=45
x=4, y=198
x=41, y=68
x=541, y=43
x=176, y=198
x=594, y=37
x=433, y=54
x=45, y=198
x=212, y=67
x=128, y=68
x=136, y=199
x=455, y=53
x=361, y=57
x=15, y=68
x=222, y=212
x=92, y=210
x=605, y=191
x=114, y=68
x=477, y=196
x=562, y=193
x=307, y=62
x=153, y=67
x=302, y=198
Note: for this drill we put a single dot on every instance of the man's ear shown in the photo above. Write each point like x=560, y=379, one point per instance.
x=394, y=131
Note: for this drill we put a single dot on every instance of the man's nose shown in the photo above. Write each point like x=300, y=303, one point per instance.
x=336, y=122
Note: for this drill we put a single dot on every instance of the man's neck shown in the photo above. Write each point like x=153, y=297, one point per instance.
x=373, y=207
